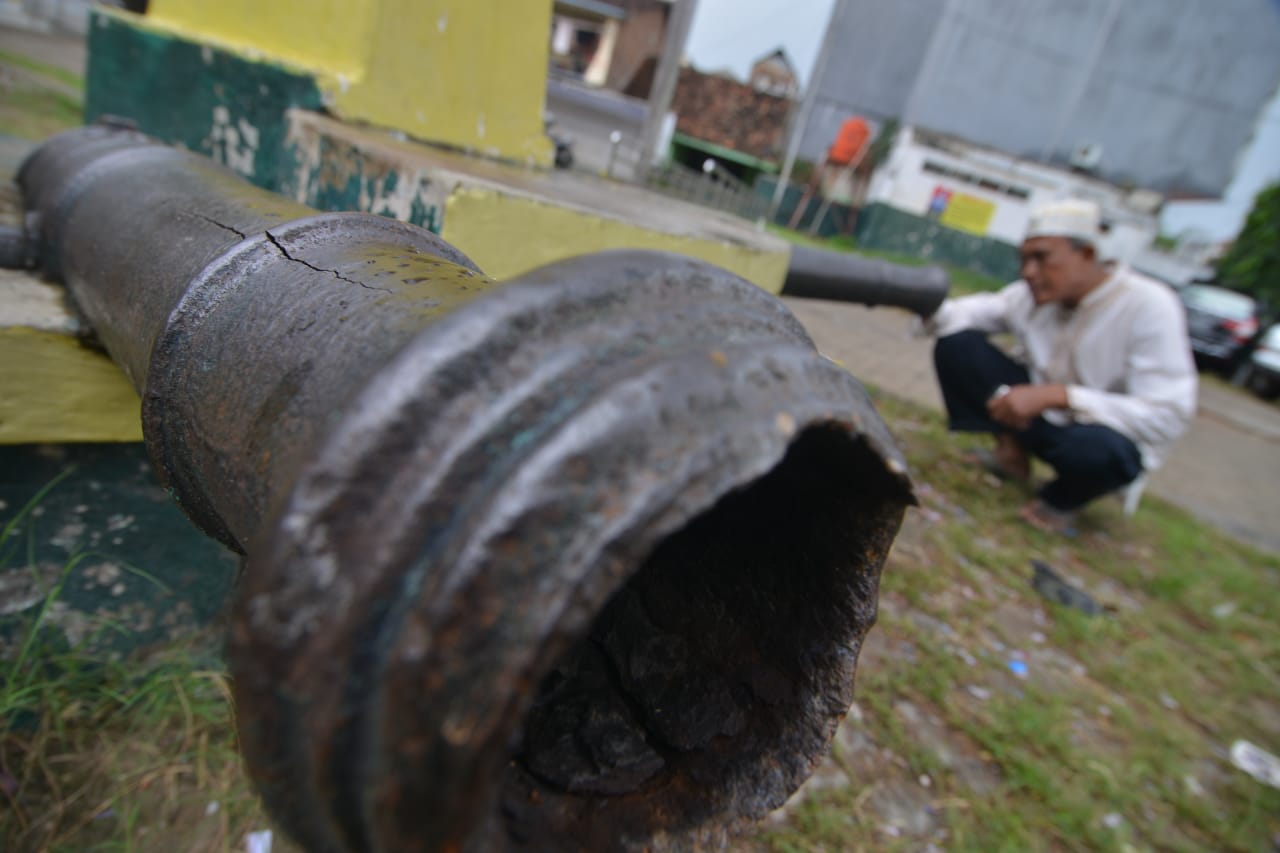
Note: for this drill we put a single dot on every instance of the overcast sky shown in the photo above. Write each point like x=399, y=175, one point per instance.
x=733, y=33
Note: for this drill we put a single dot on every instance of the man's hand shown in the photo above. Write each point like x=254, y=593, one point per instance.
x=1020, y=405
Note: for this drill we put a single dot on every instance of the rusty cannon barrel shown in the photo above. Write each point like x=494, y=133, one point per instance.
x=844, y=277
x=577, y=561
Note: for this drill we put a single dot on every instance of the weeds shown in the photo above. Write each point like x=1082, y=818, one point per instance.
x=34, y=112
x=38, y=100
x=102, y=754
x=43, y=69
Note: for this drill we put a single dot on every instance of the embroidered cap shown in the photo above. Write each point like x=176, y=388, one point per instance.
x=1073, y=218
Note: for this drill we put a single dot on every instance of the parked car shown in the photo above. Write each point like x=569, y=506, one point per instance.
x=1261, y=373
x=1219, y=321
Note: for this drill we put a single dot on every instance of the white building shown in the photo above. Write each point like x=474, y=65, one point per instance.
x=991, y=194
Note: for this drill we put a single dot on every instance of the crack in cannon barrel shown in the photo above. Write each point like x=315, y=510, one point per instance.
x=577, y=561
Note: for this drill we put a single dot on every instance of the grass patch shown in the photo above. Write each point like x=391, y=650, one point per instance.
x=103, y=754
x=139, y=754
x=34, y=112
x=1118, y=735
x=54, y=72
x=34, y=100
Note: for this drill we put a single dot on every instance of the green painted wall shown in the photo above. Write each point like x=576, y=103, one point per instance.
x=135, y=571
x=332, y=174
x=883, y=227
x=195, y=95
x=834, y=221
x=879, y=226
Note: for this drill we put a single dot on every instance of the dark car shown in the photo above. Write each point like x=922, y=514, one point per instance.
x=1219, y=321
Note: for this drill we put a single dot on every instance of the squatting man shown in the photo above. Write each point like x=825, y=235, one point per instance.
x=1101, y=381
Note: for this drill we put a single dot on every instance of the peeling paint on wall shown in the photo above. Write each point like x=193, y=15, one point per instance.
x=329, y=174
x=234, y=144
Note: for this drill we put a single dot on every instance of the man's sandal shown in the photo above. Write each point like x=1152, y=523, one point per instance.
x=990, y=462
x=1046, y=519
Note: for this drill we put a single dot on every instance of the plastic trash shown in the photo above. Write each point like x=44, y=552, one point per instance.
x=1257, y=762
x=1018, y=668
x=258, y=842
x=1050, y=585
x=8, y=784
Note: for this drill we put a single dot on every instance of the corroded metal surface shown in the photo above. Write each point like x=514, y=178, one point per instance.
x=581, y=561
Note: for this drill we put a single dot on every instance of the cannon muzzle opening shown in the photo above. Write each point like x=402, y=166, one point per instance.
x=711, y=683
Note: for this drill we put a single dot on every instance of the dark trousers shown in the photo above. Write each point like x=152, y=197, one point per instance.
x=1089, y=459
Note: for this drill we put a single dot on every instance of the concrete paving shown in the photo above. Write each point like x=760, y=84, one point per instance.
x=57, y=49
x=1225, y=470
x=575, y=190
x=589, y=116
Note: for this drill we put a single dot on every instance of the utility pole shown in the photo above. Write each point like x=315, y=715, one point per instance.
x=806, y=107
x=679, y=20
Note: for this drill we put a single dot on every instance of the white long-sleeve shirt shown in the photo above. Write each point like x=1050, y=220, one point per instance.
x=1122, y=353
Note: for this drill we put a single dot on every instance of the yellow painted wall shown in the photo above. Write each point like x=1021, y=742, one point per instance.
x=328, y=36
x=507, y=235
x=53, y=389
x=471, y=74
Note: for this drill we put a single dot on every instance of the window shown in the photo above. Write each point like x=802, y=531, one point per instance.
x=986, y=183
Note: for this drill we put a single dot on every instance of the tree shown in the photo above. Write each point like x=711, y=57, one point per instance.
x=1252, y=264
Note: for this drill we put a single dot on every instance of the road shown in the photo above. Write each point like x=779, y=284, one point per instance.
x=589, y=117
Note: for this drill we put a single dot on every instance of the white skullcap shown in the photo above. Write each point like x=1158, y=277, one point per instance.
x=1073, y=218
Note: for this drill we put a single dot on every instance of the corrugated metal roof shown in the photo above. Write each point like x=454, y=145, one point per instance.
x=591, y=8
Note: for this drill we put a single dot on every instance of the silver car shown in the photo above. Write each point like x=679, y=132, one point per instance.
x=1261, y=373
